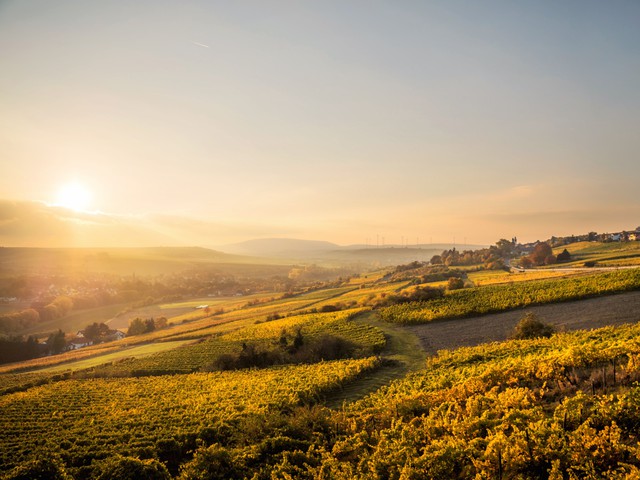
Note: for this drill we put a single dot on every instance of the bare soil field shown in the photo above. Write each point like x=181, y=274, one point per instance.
x=577, y=315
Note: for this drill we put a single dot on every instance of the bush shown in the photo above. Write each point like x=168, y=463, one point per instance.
x=211, y=463
x=129, y=468
x=455, y=283
x=329, y=308
x=40, y=469
x=530, y=327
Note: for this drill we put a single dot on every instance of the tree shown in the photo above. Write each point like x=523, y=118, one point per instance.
x=505, y=247
x=161, y=322
x=525, y=262
x=56, y=342
x=540, y=253
x=436, y=260
x=137, y=326
x=531, y=327
x=96, y=331
x=563, y=257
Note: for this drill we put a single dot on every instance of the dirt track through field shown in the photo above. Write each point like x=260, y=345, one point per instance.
x=582, y=314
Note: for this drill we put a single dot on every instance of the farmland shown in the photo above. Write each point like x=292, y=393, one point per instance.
x=330, y=382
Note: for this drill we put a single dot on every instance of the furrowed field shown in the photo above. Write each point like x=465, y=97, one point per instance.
x=495, y=298
x=244, y=391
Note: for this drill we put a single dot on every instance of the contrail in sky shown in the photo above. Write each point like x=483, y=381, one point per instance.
x=200, y=44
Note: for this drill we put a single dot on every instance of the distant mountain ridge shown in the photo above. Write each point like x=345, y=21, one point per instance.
x=119, y=260
x=278, y=247
x=318, y=251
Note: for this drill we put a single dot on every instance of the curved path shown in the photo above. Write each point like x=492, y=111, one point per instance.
x=408, y=346
x=402, y=354
x=575, y=315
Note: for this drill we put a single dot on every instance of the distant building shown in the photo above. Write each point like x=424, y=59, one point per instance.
x=114, y=335
x=78, y=342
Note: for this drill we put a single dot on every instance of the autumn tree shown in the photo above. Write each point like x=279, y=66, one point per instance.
x=540, y=253
x=505, y=247
x=525, y=262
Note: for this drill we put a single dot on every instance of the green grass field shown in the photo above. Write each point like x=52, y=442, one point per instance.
x=133, y=352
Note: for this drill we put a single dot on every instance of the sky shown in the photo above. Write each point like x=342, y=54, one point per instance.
x=212, y=122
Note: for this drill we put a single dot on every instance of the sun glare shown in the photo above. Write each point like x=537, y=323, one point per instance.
x=74, y=196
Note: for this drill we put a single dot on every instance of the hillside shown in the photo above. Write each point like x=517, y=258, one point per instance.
x=325, y=382
x=118, y=261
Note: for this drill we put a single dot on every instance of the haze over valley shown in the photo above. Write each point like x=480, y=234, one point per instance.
x=319, y=240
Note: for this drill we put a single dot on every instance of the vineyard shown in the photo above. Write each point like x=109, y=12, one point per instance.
x=564, y=407
x=541, y=408
x=244, y=391
x=191, y=358
x=86, y=419
x=495, y=298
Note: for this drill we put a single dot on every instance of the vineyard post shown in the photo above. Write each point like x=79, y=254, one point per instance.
x=614, y=370
x=529, y=447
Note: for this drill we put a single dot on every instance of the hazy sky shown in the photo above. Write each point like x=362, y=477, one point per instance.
x=334, y=120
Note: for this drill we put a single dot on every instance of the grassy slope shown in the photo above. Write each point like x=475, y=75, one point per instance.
x=612, y=253
x=403, y=353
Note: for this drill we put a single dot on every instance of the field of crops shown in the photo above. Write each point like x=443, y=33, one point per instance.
x=612, y=253
x=86, y=419
x=191, y=358
x=562, y=407
x=493, y=277
x=541, y=408
x=494, y=298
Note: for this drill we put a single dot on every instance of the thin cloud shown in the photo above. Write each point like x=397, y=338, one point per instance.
x=200, y=44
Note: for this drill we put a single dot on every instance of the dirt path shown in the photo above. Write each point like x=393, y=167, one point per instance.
x=581, y=314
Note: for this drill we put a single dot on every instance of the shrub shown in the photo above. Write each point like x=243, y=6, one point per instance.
x=211, y=463
x=455, y=283
x=531, y=327
x=129, y=468
x=329, y=308
x=40, y=469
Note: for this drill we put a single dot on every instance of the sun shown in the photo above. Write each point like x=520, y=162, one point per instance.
x=74, y=196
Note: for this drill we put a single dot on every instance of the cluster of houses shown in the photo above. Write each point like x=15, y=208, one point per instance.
x=80, y=341
x=623, y=236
